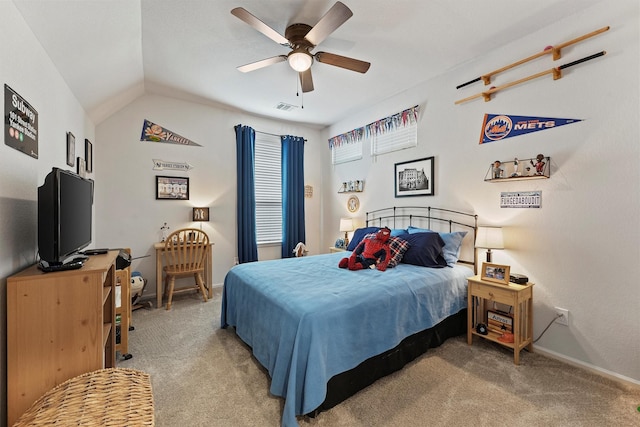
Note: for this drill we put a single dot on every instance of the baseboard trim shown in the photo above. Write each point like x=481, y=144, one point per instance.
x=589, y=367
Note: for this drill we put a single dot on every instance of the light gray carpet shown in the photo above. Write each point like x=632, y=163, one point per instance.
x=205, y=376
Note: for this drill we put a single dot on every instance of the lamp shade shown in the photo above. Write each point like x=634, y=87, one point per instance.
x=489, y=238
x=200, y=214
x=346, y=224
x=300, y=60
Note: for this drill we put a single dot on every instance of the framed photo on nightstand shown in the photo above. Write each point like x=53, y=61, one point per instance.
x=496, y=273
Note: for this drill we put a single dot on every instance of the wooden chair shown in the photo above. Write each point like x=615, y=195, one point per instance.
x=185, y=253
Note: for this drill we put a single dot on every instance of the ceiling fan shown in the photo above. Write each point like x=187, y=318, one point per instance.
x=302, y=39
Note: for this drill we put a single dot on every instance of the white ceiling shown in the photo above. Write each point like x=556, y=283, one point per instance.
x=111, y=51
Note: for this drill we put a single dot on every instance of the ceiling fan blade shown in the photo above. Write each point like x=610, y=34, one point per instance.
x=343, y=62
x=306, y=81
x=247, y=17
x=263, y=63
x=336, y=16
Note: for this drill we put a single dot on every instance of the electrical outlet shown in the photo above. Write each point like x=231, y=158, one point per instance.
x=564, y=320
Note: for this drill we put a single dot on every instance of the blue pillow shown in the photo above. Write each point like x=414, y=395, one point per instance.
x=359, y=234
x=425, y=250
x=395, y=232
x=452, y=243
x=414, y=230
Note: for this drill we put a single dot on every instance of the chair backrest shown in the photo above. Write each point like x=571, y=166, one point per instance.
x=185, y=250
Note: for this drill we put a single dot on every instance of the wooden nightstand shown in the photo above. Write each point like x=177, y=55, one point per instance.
x=482, y=295
x=334, y=249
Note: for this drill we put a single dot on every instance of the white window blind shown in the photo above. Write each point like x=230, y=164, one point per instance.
x=346, y=152
x=268, y=189
x=396, y=139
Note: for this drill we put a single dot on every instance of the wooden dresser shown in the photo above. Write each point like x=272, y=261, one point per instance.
x=59, y=325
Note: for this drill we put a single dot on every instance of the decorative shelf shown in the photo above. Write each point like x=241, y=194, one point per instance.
x=356, y=186
x=519, y=170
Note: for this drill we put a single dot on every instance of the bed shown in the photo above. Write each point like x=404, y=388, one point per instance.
x=324, y=333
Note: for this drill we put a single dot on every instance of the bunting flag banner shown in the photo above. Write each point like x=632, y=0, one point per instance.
x=156, y=133
x=496, y=127
x=391, y=123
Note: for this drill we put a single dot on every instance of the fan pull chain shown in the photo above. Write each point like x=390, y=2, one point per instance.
x=298, y=93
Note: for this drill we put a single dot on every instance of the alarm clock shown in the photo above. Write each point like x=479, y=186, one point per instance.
x=481, y=328
x=339, y=243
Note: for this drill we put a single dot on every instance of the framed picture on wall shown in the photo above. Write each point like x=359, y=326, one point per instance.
x=71, y=149
x=172, y=188
x=81, y=165
x=88, y=155
x=414, y=178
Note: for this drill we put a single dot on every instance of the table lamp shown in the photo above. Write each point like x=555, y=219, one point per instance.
x=200, y=215
x=346, y=225
x=489, y=238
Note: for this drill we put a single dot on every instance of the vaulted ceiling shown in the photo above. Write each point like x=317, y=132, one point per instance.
x=111, y=51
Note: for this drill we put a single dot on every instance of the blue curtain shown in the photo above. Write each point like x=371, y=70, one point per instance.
x=292, y=193
x=246, y=198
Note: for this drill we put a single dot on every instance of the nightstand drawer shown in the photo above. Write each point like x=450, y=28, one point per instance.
x=493, y=293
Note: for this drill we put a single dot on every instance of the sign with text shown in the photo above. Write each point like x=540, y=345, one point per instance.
x=502, y=126
x=159, y=165
x=20, y=123
x=521, y=199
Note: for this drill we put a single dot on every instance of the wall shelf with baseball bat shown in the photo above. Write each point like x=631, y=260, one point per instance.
x=556, y=72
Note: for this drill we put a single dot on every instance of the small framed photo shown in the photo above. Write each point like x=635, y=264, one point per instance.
x=495, y=273
x=88, y=155
x=82, y=170
x=414, y=178
x=71, y=149
x=172, y=188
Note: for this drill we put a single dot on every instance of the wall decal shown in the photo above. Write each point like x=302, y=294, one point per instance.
x=20, y=123
x=156, y=133
x=159, y=165
x=501, y=126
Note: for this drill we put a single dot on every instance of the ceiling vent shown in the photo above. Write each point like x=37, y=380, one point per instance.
x=285, y=107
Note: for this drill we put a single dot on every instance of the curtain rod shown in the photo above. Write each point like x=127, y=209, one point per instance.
x=267, y=133
x=273, y=134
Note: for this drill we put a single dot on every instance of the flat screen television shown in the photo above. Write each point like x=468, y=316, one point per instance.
x=65, y=206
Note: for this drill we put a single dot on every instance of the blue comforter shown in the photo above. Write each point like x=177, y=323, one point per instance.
x=307, y=320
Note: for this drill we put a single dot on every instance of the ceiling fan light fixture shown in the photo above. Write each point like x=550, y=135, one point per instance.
x=300, y=60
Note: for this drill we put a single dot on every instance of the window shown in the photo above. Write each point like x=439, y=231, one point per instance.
x=268, y=189
x=396, y=139
x=346, y=152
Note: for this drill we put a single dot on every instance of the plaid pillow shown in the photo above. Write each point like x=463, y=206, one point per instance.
x=397, y=247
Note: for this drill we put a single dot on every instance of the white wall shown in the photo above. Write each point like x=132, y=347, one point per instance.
x=581, y=249
x=27, y=70
x=127, y=213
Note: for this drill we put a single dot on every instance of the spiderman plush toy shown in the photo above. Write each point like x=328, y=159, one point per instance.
x=370, y=253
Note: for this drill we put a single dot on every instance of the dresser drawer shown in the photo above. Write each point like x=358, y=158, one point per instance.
x=493, y=293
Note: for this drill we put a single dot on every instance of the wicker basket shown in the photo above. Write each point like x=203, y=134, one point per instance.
x=106, y=397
